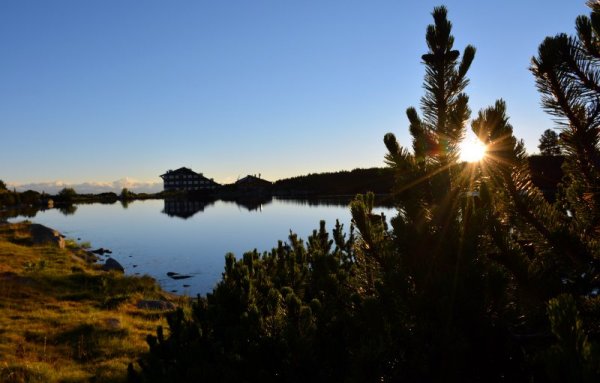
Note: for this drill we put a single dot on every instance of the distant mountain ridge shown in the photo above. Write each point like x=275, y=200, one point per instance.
x=53, y=187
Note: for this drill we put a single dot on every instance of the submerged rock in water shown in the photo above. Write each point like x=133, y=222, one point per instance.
x=101, y=251
x=174, y=275
x=112, y=264
x=181, y=276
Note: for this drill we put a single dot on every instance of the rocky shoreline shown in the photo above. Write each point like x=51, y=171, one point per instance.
x=64, y=317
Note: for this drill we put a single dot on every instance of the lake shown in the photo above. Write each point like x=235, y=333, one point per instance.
x=191, y=237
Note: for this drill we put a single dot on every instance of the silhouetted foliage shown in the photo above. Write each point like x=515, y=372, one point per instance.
x=377, y=180
x=573, y=358
x=66, y=195
x=126, y=194
x=291, y=304
x=30, y=197
x=107, y=197
x=549, y=145
x=9, y=198
x=2, y=186
x=13, y=199
x=546, y=174
x=567, y=73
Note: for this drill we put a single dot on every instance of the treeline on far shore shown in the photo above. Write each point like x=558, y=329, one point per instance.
x=546, y=174
x=376, y=180
x=67, y=196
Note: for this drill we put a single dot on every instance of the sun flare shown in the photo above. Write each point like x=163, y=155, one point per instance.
x=472, y=150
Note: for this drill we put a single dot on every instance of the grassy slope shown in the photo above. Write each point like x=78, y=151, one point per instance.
x=62, y=319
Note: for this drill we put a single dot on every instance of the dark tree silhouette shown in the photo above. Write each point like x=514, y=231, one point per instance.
x=437, y=134
x=126, y=194
x=66, y=195
x=377, y=180
x=567, y=72
x=549, y=145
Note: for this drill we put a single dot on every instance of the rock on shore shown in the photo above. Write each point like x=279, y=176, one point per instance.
x=112, y=264
x=41, y=234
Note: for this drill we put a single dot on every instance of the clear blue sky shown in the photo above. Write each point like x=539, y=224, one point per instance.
x=101, y=90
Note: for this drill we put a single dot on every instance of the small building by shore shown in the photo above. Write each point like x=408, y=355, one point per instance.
x=253, y=184
x=185, y=179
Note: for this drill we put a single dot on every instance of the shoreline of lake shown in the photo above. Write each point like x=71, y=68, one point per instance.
x=65, y=319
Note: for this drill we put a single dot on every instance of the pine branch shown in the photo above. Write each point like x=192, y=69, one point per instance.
x=507, y=165
x=510, y=256
x=558, y=97
x=581, y=68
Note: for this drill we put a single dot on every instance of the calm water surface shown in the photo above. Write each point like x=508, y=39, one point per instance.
x=155, y=237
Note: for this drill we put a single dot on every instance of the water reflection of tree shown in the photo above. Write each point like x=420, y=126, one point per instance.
x=25, y=212
x=67, y=209
x=339, y=201
x=31, y=211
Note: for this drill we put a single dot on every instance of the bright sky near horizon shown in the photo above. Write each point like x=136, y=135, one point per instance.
x=103, y=90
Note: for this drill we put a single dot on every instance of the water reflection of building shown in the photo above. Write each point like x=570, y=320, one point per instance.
x=183, y=208
x=253, y=204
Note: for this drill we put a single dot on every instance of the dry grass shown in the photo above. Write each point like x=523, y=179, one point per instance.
x=62, y=319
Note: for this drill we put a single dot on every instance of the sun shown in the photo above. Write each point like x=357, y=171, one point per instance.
x=472, y=150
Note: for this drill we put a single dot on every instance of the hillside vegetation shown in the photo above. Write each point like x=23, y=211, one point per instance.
x=376, y=180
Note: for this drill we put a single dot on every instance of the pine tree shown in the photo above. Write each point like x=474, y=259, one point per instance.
x=549, y=145
x=436, y=234
x=509, y=237
x=438, y=132
x=429, y=180
x=567, y=73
